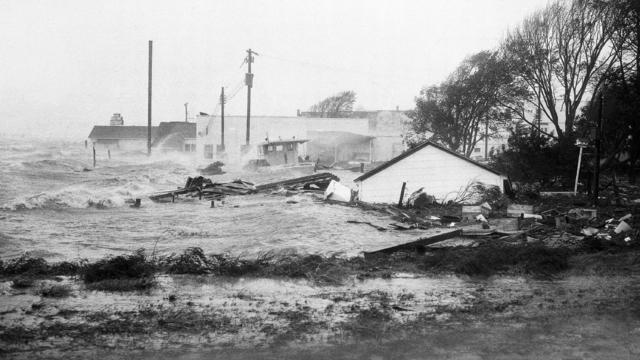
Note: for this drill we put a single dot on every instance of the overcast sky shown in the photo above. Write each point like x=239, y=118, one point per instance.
x=68, y=65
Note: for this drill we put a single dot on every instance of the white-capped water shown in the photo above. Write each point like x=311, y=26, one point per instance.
x=54, y=204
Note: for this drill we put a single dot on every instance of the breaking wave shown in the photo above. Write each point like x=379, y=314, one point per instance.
x=55, y=165
x=80, y=197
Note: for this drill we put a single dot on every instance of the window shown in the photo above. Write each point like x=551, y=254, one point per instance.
x=189, y=147
x=208, y=151
x=279, y=147
x=476, y=150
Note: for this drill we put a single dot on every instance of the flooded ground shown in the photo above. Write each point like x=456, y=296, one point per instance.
x=54, y=205
x=52, y=208
x=407, y=316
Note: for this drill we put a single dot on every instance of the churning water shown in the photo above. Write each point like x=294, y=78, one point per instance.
x=55, y=205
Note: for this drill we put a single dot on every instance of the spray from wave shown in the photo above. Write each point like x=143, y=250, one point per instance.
x=81, y=196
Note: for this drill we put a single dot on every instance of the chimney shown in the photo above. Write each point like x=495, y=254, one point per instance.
x=116, y=120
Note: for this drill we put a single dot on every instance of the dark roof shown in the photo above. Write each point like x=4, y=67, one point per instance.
x=415, y=150
x=187, y=129
x=121, y=132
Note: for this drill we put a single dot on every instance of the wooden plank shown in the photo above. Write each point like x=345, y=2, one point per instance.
x=416, y=244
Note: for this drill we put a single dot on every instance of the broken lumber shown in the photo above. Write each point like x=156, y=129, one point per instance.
x=319, y=181
x=416, y=245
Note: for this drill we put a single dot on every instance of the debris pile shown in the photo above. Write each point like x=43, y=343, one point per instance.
x=204, y=188
x=316, y=182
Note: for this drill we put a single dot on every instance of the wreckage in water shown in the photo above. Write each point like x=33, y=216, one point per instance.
x=203, y=188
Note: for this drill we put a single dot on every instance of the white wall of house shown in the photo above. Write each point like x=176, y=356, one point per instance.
x=441, y=174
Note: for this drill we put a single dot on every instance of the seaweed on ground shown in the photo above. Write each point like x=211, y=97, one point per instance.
x=488, y=259
x=121, y=273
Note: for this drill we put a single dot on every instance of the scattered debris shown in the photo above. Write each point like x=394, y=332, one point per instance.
x=622, y=227
x=204, y=188
x=377, y=227
x=515, y=210
x=315, y=182
x=416, y=245
x=420, y=199
x=214, y=168
x=469, y=212
x=337, y=192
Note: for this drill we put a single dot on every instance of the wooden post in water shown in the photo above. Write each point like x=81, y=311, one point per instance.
x=404, y=185
x=94, y=156
x=109, y=153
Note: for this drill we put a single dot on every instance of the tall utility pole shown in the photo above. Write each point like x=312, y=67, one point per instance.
x=186, y=112
x=248, y=80
x=222, y=101
x=149, y=100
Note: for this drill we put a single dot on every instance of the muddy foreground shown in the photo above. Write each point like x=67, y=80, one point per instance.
x=382, y=312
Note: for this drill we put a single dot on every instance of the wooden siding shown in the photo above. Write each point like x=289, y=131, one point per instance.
x=441, y=174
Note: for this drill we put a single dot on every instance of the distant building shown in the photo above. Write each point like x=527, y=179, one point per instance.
x=175, y=136
x=440, y=171
x=123, y=138
x=374, y=136
x=167, y=136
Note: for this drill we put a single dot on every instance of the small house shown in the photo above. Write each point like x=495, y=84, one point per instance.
x=280, y=152
x=123, y=138
x=440, y=171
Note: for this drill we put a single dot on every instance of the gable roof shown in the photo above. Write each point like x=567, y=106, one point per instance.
x=415, y=150
x=121, y=132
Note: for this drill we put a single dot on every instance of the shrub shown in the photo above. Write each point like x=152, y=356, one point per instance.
x=124, y=267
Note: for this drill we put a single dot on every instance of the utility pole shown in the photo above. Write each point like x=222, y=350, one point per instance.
x=222, y=101
x=149, y=100
x=597, y=170
x=248, y=80
x=186, y=112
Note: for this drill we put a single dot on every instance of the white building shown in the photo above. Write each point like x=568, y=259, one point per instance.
x=385, y=128
x=441, y=172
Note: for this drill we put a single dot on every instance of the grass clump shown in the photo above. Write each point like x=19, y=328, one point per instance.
x=121, y=273
x=22, y=283
x=56, y=291
x=26, y=265
x=489, y=259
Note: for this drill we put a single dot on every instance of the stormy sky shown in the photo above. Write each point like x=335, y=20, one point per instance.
x=68, y=65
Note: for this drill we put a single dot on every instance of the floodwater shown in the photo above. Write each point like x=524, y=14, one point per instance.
x=54, y=204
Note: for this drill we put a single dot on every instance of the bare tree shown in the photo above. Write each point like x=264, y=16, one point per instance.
x=338, y=105
x=557, y=53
